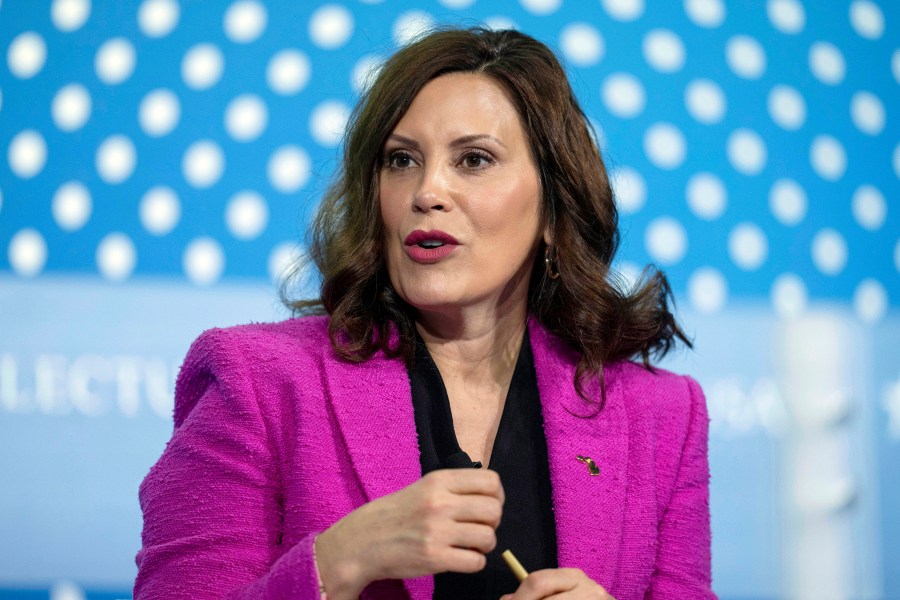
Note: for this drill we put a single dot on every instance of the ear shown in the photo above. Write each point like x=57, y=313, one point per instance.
x=548, y=236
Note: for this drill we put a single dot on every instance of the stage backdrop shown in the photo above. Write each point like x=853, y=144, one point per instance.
x=161, y=159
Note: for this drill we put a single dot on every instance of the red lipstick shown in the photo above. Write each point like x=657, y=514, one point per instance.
x=429, y=246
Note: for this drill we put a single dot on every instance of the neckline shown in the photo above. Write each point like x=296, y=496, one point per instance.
x=458, y=455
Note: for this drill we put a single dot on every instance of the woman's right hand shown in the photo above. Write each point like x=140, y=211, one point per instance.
x=446, y=521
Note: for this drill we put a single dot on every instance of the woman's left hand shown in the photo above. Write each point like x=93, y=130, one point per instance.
x=569, y=584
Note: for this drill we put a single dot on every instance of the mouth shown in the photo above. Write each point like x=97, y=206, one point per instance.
x=429, y=247
x=430, y=239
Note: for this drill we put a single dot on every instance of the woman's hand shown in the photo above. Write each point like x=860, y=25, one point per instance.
x=568, y=584
x=446, y=521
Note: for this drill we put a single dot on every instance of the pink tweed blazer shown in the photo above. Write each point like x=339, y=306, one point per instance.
x=276, y=438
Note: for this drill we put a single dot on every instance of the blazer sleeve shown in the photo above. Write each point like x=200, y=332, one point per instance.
x=683, y=563
x=212, y=503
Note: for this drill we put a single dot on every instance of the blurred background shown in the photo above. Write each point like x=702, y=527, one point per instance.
x=161, y=159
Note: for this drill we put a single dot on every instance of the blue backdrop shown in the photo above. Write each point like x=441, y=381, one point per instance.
x=161, y=160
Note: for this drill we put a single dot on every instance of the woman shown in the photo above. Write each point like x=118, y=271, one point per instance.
x=465, y=256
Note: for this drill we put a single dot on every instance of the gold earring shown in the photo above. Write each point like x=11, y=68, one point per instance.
x=551, y=263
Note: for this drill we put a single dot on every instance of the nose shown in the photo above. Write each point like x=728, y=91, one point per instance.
x=432, y=192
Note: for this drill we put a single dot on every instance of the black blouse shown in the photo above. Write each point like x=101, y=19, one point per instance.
x=519, y=456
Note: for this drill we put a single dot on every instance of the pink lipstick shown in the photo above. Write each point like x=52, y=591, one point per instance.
x=429, y=246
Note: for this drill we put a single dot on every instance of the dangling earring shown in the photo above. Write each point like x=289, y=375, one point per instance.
x=551, y=262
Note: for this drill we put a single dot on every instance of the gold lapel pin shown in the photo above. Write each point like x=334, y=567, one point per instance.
x=593, y=469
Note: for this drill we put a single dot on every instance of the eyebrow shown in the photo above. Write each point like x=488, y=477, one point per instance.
x=460, y=141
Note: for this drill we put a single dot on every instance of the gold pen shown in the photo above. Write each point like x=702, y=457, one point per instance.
x=514, y=565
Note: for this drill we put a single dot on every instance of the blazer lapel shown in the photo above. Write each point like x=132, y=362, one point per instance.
x=372, y=405
x=589, y=509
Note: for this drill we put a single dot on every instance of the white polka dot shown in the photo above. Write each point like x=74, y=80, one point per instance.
x=203, y=164
x=787, y=201
x=26, y=55
x=283, y=259
x=867, y=19
x=828, y=157
x=116, y=257
x=27, y=252
x=829, y=252
x=827, y=63
x=27, y=154
x=705, y=101
x=788, y=16
x=625, y=275
x=788, y=296
x=246, y=117
x=745, y=57
x=663, y=51
x=705, y=13
x=288, y=72
x=541, y=7
x=160, y=210
x=331, y=26
x=457, y=3
x=66, y=590
x=747, y=246
x=707, y=290
x=500, y=23
x=202, y=66
x=245, y=21
x=598, y=135
x=869, y=207
x=630, y=190
x=582, y=44
x=867, y=113
x=365, y=72
x=203, y=261
x=289, y=169
x=623, y=10
x=69, y=15
x=666, y=240
x=72, y=206
x=411, y=25
x=746, y=152
x=870, y=301
x=787, y=107
x=116, y=159
x=246, y=215
x=664, y=146
x=706, y=196
x=327, y=122
x=157, y=18
x=115, y=61
x=895, y=65
x=897, y=160
x=71, y=107
x=159, y=112
x=623, y=95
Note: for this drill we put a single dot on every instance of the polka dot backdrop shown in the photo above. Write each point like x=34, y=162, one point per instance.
x=754, y=147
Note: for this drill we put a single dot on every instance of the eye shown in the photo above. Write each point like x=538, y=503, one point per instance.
x=476, y=160
x=398, y=159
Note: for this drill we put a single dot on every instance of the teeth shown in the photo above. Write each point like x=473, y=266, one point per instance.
x=431, y=244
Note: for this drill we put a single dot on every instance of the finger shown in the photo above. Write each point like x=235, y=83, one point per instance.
x=547, y=582
x=473, y=536
x=462, y=560
x=478, y=509
x=470, y=481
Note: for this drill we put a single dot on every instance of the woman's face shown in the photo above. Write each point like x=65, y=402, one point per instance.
x=460, y=198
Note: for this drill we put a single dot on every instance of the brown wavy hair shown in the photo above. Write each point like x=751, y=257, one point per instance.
x=585, y=306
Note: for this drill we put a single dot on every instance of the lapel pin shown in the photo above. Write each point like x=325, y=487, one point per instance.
x=593, y=469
